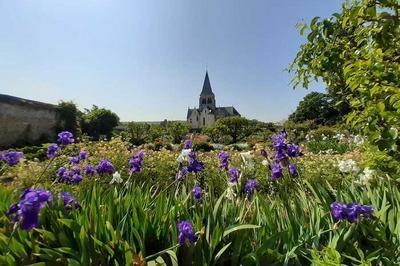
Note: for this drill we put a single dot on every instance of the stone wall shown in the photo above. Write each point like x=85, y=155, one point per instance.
x=25, y=122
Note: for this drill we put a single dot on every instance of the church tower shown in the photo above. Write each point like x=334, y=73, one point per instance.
x=207, y=97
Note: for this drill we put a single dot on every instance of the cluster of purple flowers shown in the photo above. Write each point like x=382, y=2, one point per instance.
x=250, y=187
x=83, y=155
x=51, y=150
x=12, y=157
x=350, y=212
x=187, y=144
x=283, y=152
x=105, y=167
x=72, y=176
x=233, y=175
x=65, y=138
x=90, y=170
x=181, y=174
x=135, y=164
x=186, y=233
x=223, y=160
x=197, y=192
x=69, y=201
x=194, y=165
x=27, y=209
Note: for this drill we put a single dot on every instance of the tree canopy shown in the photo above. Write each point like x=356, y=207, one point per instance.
x=99, y=122
x=316, y=106
x=356, y=53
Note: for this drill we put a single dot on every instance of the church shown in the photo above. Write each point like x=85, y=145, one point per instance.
x=208, y=112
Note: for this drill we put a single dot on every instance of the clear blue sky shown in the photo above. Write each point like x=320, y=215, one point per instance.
x=146, y=59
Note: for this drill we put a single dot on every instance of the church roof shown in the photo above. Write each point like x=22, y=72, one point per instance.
x=226, y=111
x=206, y=86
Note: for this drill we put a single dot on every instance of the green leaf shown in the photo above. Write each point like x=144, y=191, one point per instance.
x=240, y=227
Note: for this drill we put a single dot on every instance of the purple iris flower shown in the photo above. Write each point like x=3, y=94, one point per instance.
x=223, y=160
x=73, y=160
x=135, y=164
x=276, y=172
x=89, y=170
x=65, y=138
x=181, y=174
x=12, y=157
x=197, y=192
x=51, y=150
x=188, y=144
x=194, y=166
x=279, y=142
x=293, y=169
x=283, y=133
x=27, y=209
x=233, y=175
x=250, y=186
x=69, y=201
x=351, y=212
x=186, y=233
x=83, y=155
x=105, y=167
x=293, y=150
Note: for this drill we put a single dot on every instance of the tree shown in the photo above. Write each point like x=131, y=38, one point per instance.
x=316, y=106
x=177, y=131
x=69, y=118
x=137, y=133
x=234, y=126
x=357, y=54
x=98, y=122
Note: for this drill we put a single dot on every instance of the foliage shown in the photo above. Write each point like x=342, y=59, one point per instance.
x=137, y=133
x=316, y=106
x=357, y=54
x=177, y=131
x=330, y=146
x=69, y=118
x=202, y=146
x=99, y=122
x=298, y=131
x=234, y=126
x=285, y=222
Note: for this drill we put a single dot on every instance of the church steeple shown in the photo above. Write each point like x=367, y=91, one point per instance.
x=207, y=97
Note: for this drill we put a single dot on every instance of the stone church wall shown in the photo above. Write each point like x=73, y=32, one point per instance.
x=25, y=122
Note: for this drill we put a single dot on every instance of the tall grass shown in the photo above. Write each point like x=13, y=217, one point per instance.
x=137, y=224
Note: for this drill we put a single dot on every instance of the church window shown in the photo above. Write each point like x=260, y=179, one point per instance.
x=197, y=118
x=203, y=101
x=209, y=101
x=204, y=121
x=191, y=121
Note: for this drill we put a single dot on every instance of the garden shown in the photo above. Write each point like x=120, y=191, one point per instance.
x=322, y=188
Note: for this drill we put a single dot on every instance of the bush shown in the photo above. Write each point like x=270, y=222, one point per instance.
x=202, y=146
x=329, y=146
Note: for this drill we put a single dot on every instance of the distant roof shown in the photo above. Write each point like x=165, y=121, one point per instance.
x=226, y=111
x=16, y=100
x=206, y=86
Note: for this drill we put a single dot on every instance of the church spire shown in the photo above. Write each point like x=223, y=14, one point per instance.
x=207, y=97
x=206, y=86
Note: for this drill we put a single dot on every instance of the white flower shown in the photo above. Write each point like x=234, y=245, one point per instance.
x=116, y=178
x=247, y=158
x=184, y=156
x=348, y=166
x=358, y=140
x=366, y=176
x=265, y=162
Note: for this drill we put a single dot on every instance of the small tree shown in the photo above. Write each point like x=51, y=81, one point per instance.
x=137, y=133
x=68, y=117
x=177, y=131
x=318, y=107
x=234, y=126
x=99, y=121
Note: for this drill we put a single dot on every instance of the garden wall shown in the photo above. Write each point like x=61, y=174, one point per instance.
x=25, y=122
